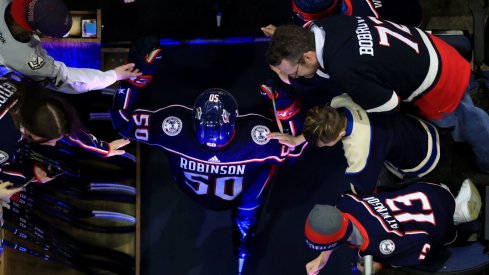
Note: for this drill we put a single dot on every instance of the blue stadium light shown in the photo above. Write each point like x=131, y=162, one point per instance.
x=208, y=41
x=169, y=41
x=87, y=55
x=75, y=54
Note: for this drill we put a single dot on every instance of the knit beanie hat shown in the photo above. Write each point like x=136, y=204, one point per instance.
x=326, y=228
x=314, y=9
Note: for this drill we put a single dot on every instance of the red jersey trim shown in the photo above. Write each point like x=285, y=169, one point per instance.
x=348, y=7
x=366, y=240
x=454, y=78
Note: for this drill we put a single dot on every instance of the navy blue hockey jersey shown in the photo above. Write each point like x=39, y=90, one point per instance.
x=19, y=173
x=9, y=169
x=218, y=179
x=316, y=92
x=378, y=63
x=400, y=228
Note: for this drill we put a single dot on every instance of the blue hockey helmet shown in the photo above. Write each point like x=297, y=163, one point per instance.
x=215, y=111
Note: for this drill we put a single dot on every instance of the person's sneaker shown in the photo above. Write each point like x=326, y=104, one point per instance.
x=467, y=203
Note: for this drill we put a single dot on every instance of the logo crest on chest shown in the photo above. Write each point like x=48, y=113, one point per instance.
x=386, y=247
x=259, y=134
x=3, y=157
x=172, y=126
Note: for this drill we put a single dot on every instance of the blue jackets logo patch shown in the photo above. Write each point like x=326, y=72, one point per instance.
x=172, y=126
x=259, y=134
x=3, y=157
x=386, y=247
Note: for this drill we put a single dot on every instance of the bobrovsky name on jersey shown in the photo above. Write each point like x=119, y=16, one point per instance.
x=190, y=165
x=365, y=43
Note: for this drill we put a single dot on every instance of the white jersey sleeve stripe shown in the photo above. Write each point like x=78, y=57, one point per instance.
x=388, y=106
x=432, y=70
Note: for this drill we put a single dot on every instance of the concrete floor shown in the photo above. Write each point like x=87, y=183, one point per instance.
x=446, y=14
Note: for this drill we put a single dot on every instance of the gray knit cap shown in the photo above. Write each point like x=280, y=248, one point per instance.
x=326, y=227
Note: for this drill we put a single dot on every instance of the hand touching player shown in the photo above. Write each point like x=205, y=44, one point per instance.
x=269, y=30
x=313, y=267
x=377, y=267
x=115, y=145
x=5, y=192
x=287, y=139
x=126, y=71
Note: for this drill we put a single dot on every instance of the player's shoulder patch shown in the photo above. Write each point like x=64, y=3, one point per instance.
x=172, y=126
x=3, y=157
x=386, y=247
x=36, y=62
x=259, y=134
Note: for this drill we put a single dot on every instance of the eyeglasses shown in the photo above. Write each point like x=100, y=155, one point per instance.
x=27, y=135
x=36, y=139
x=296, y=74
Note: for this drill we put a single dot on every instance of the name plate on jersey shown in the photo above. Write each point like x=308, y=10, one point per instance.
x=7, y=90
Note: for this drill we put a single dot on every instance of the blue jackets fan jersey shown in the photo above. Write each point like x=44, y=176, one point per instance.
x=19, y=173
x=218, y=179
x=313, y=91
x=9, y=169
x=400, y=228
x=406, y=145
x=378, y=63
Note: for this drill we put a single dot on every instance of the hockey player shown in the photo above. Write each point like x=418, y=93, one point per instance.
x=21, y=50
x=398, y=228
x=406, y=145
x=380, y=63
x=220, y=159
x=29, y=114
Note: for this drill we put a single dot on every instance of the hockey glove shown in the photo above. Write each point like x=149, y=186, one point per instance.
x=285, y=106
x=146, y=54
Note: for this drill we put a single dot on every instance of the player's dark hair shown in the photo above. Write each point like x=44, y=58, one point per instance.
x=323, y=124
x=44, y=113
x=289, y=42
